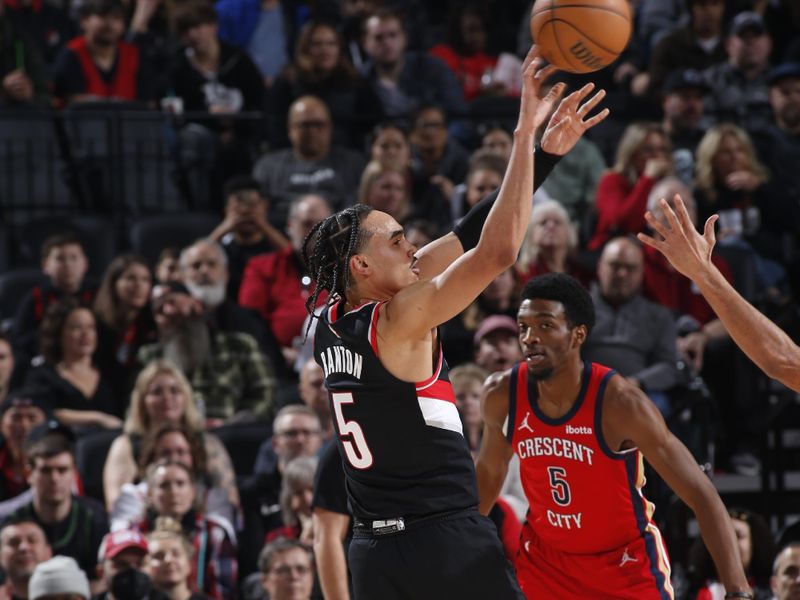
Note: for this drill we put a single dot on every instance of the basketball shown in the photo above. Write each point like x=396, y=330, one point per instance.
x=581, y=36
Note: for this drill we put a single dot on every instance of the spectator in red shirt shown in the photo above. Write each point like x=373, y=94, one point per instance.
x=644, y=156
x=23, y=410
x=99, y=65
x=276, y=285
x=466, y=50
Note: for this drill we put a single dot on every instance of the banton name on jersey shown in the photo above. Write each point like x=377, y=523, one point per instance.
x=336, y=359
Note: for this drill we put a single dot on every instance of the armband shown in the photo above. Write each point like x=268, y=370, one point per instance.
x=468, y=230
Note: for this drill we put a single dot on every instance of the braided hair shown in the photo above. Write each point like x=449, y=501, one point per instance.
x=327, y=250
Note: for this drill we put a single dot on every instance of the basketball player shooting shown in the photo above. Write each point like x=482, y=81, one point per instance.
x=580, y=432
x=690, y=253
x=410, y=477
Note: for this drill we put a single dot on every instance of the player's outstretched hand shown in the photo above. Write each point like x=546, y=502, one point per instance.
x=534, y=110
x=687, y=250
x=569, y=122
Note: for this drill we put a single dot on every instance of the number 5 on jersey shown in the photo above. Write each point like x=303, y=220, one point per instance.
x=353, y=441
x=558, y=481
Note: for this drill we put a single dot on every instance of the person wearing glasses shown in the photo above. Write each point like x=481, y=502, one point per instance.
x=287, y=571
x=296, y=433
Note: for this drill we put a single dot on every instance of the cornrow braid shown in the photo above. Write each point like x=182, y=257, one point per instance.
x=328, y=248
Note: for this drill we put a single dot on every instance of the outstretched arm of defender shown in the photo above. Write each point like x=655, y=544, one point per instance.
x=630, y=418
x=495, y=452
x=690, y=253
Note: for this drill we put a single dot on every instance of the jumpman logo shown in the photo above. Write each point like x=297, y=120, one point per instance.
x=626, y=558
x=524, y=424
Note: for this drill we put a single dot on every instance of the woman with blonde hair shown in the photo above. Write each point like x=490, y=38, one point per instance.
x=732, y=182
x=386, y=187
x=162, y=395
x=467, y=381
x=644, y=156
x=550, y=245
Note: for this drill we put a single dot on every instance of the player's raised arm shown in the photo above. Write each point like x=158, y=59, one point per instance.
x=563, y=130
x=690, y=253
x=495, y=452
x=418, y=308
x=631, y=419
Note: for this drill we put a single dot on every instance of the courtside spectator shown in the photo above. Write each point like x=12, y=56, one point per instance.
x=74, y=526
x=82, y=394
x=643, y=157
x=172, y=494
x=20, y=412
x=64, y=262
x=406, y=80
x=162, y=396
x=684, y=121
x=230, y=377
x=169, y=561
x=23, y=545
x=100, y=65
x=287, y=570
x=276, y=285
x=23, y=75
x=311, y=165
x=320, y=68
x=120, y=562
x=7, y=365
x=245, y=231
x=59, y=578
x=124, y=320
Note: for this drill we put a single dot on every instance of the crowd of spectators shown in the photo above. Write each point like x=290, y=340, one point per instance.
x=166, y=431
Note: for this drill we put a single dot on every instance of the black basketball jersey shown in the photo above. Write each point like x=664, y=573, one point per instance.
x=402, y=443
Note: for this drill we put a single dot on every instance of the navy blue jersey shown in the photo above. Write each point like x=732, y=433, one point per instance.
x=402, y=444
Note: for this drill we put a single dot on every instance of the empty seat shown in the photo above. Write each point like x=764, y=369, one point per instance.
x=31, y=167
x=150, y=235
x=91, y=450
x=14, y=286
x=242, y=443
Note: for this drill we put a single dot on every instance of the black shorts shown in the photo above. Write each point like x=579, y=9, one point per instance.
x=455, y=556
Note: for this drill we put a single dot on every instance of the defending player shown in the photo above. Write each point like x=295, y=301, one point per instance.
x=581, y=431
x=410, y=478
x=690, y=253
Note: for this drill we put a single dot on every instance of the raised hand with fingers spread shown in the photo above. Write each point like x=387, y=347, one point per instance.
x=687, y=250
x=690, y=253
x=569, y=122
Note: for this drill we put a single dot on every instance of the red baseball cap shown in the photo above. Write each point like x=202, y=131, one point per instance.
x=115, y=542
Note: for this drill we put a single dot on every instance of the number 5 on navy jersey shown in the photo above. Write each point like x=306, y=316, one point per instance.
x=558, y=481
x=353, y=441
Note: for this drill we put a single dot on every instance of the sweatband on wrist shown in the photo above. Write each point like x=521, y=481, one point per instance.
x=468, y=230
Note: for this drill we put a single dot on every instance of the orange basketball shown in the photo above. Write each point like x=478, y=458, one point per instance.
x=581, y=36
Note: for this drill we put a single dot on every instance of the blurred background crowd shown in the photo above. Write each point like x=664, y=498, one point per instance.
x=162, y=422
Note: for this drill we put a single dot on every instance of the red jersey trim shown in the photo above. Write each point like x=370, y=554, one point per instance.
x=373, y=328
x=421, y=385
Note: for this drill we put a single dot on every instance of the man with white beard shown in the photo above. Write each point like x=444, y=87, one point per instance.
x=203, y=268
x=230, y=377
